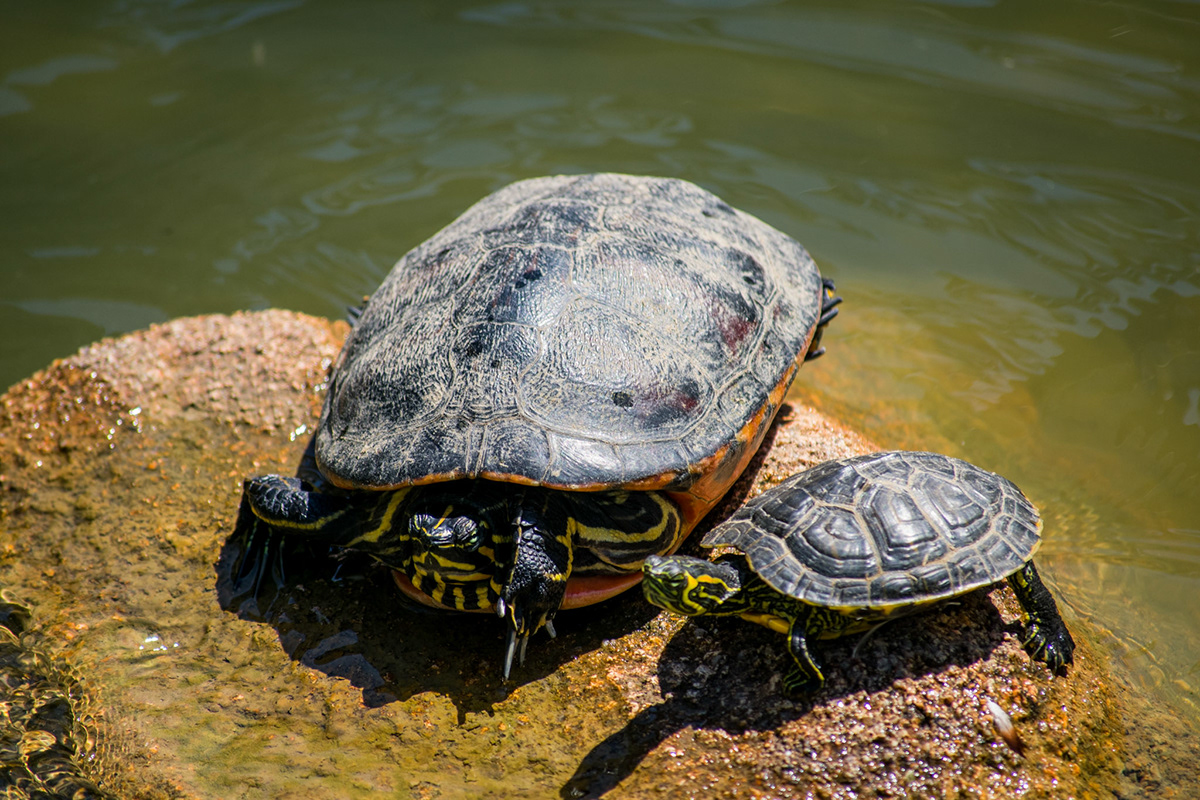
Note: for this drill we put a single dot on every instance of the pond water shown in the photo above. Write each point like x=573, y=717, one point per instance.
x=1007, y=194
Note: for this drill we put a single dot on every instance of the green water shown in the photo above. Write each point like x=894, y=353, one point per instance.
x=1006, y=193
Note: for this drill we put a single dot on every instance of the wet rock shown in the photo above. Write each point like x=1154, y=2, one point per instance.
x=120, y=475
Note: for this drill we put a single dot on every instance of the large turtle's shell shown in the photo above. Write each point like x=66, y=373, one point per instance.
x=884, y=530
x=576, y=332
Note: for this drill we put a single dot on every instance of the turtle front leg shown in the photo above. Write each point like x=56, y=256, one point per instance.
x=805, y=676
x=1047, y=638
x=542, y=556
x=273, y=505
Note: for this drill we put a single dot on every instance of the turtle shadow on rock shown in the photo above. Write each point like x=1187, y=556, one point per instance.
x=342, y=614
x=724, y=673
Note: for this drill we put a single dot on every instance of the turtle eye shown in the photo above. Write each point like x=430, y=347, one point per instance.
x=421, y=527
x=466, y=532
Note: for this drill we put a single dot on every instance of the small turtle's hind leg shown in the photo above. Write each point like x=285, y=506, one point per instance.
x=805, y=676
x=1047, y=638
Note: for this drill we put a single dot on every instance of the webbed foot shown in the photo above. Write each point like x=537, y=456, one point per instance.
x=276, y=510
x=1052, y=644
x=258, y=553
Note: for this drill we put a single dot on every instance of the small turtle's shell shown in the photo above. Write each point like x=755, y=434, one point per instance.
x=577, y=332
x=884, y=530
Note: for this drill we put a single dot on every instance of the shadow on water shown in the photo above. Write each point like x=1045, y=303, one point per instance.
x=341, y=614
x=723, y=673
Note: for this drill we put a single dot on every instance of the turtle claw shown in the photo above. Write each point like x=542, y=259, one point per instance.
x=515, y=646
x=519, y=632
x=1051, y=644
x=511, y=649
x=260, y=554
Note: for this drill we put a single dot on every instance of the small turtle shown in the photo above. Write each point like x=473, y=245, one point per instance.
x=560, y=383
x=848, y=543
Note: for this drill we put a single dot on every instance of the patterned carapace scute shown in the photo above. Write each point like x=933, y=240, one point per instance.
x=573, y=331
x=885, y=529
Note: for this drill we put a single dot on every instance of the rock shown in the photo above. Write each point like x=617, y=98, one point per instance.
x=120, y=476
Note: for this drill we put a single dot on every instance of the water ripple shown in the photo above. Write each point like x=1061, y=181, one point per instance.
x=48, y=72
x=409, y=141
x=111, y=316
x=941, y=52
x=168, y=25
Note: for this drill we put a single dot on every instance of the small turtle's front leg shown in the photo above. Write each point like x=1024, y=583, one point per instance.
x=1047, y=638
x=805, y=676
x=542, y=556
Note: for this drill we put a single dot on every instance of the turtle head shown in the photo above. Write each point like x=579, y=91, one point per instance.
x=687, y=585
x=451, y=557
x=448, y=533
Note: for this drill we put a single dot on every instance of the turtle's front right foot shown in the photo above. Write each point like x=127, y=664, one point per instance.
x=275, y=508
x=257, y=553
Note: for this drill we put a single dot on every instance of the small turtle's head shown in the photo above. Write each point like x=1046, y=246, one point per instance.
x=687, y=585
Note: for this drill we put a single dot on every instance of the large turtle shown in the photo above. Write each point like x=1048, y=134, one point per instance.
x=848, y=543
x=560, y=383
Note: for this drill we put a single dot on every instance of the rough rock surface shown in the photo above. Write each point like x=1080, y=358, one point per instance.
x=120, y=474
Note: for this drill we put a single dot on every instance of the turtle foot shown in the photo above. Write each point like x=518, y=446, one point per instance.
x=805, y=677
x=799, y=684
x=258, y=553
x=1047, y=638
x=1051, y=643
x=536, y=586
x=528, y=609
